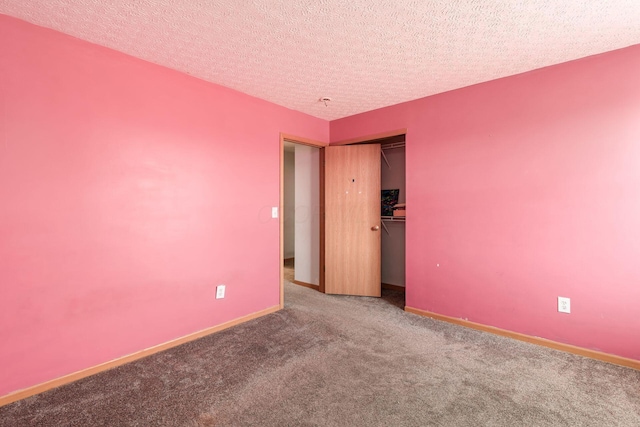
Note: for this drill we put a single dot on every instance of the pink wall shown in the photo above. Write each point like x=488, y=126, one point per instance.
x=127, y=192
x=523, y=189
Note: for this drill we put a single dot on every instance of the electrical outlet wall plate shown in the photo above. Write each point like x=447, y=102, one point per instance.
x=220, y=291
x=564, y=305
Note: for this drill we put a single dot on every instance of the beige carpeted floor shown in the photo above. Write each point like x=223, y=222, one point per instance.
x=345, y=361
x=289, y=269
x=391, y=296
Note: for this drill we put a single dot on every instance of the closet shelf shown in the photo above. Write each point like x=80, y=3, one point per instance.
x=389, y=146
x=393, y=218
x=392, y=145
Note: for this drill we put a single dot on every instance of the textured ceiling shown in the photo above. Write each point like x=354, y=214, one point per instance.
x=364, y=54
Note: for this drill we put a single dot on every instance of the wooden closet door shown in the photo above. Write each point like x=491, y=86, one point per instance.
x=352, y=220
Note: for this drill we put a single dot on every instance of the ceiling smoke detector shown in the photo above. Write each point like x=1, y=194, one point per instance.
x=325, y=99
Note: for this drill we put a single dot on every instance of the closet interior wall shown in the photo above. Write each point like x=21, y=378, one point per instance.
x=393, y=231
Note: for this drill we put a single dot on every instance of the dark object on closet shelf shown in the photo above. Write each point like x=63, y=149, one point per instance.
x=389, y=200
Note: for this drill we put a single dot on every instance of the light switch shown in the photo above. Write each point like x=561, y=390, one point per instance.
x=274, y=212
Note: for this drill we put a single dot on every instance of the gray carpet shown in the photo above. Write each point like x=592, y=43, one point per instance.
x=344, y=361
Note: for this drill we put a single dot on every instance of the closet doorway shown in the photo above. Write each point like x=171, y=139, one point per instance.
x=391, y=210
x=305, y=265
